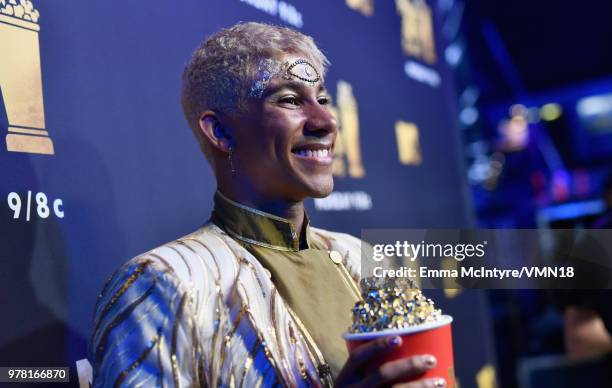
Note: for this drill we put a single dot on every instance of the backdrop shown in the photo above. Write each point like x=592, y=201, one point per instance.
x=98, y=165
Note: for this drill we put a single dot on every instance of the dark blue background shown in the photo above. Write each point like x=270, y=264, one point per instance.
x=132, y=177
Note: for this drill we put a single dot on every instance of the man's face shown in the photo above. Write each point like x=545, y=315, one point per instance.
x=284, y=139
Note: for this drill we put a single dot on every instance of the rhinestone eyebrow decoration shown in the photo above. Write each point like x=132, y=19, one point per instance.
x=302, y=70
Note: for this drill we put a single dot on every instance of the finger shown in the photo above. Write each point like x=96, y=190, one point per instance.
x=401, y=369
x=363, y=354
x=427, y=383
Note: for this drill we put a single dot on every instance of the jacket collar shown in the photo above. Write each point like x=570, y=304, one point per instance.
x=254, y=226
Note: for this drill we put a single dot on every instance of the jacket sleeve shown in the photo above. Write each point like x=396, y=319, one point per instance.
x=144, y=332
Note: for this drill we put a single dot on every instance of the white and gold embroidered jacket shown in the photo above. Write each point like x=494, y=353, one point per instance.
x=202, y=311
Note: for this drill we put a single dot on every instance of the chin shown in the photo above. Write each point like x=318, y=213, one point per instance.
x=322, y=190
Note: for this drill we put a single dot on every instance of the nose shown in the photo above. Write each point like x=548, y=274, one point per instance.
x=320, y=120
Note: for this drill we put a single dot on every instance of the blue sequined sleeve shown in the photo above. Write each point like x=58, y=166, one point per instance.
x=144, y=333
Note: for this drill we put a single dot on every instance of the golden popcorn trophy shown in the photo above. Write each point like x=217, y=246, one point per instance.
x=21, y=78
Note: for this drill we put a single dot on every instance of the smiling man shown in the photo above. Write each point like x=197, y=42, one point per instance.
x=257, y=295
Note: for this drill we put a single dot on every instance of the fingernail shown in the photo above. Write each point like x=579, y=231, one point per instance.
x=395, y=341
x=437, y=383
x=430, y=361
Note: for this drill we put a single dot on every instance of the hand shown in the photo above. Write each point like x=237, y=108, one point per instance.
x=353, y=373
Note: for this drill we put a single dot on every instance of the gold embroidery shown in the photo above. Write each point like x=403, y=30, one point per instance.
x=252, y=267
x=184, y=261
x=311, y=346
x=194, y=345
x=218, y=273
x=160, y=367
x=177, y=321
x=131, y=279
x=228, y=337
x=197, y=304
x=119, y=318
x=274, y=330
x=260, y=337
x=137, y=362
x=158, y=257
x=248, y=362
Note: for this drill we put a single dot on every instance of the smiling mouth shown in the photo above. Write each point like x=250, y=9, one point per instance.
x=315, y=154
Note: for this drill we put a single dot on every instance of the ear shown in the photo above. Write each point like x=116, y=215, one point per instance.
x=214, y=132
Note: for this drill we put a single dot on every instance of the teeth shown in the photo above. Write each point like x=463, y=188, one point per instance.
x=313, y=153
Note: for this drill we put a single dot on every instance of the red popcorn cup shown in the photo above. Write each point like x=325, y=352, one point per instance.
x=430, y=338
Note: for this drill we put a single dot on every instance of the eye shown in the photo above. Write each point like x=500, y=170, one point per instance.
x=292, y=100
x=324, y=100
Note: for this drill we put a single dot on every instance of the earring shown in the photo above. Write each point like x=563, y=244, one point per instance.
x=231, y=162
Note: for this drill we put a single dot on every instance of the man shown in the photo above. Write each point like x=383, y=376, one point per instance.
x=256, y=296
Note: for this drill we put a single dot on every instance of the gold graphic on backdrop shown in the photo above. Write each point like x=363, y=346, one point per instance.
x=408, y=146
x=366, y=7
x=347, y=150
x=21, y=78
x=485, y=378
x=417, y=29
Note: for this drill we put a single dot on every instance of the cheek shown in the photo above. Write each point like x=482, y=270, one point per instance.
x=281, y=131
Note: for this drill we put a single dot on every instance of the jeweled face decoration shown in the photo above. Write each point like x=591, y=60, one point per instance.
x=300, y=69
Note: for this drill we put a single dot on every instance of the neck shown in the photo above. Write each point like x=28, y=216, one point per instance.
x=293, y=211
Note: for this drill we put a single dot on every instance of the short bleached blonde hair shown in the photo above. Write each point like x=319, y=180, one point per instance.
x=224, y=68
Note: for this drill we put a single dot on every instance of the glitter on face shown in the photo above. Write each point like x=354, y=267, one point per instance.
x=300, y=69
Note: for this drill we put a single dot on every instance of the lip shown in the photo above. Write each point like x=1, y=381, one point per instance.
x=312, y=146
x=315, y=156
x=323, y=161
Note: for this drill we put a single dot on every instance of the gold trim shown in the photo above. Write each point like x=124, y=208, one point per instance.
x=311, y=344
x=255, y=242
x=177, y=321
x=228, y=337
x=283, y=357
x=256, y=211
x=204, y=270
x=160, y=368
x=19, y=22
x=131, y=279
x=248, y=362
x=351, y=281
x=220, y=302
x=184, y=262
x=158, y=257
x=252, y=267
x=212, y=256
x=273, y=365
x=120, y=318
x=195, y=340
x=137, y=362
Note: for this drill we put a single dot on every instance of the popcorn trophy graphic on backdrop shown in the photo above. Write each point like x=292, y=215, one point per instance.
x=417, y=29
x=21, y=78
x=348, y=148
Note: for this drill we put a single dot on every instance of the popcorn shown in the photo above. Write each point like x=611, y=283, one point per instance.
x=22, y=9
x=391, y=305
